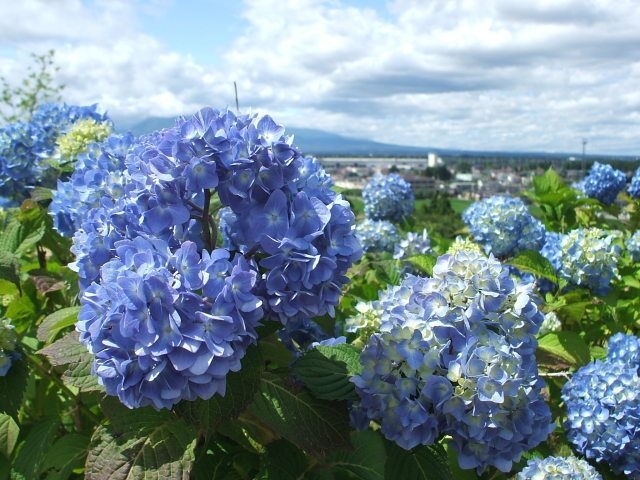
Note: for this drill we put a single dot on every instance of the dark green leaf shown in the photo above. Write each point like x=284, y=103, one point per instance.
x=533, y=262
x=313, y=425
x=326, y=371
x=10, y=268
x=57, y=321
x=367, y=459
x=32, y=451
x=283, y=461
x=12, y=387
x=568, y=346
x=420, y=463
x=423, y=263
x=66, y=454
x=9, y=432
x=242, y=386
x=140, y=444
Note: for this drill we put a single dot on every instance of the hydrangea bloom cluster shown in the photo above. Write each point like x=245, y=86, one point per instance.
x=634, y=186
x=455, y=356
x=551, y=249
x=8, y=340
x=413, y=244
x=589, y=257
x=387, y=197
x=377, y=235
x=603, y=183
x=461, y=244
x=504, y=226
x=99, y=173
x=551, y=323
x=366, y=321
x=633, y=246
x=558, y=468
x=80, y=135
x=165, y=313
x=603, y=408
x=25, y=147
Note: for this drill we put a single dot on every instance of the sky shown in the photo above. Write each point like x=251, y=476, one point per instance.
x=540, y=75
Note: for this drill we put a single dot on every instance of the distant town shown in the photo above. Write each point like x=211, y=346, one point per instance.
x=463, y=176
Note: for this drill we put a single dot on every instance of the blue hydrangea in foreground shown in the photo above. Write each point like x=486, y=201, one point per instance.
x=26, y=147
x=387, y=197
x=603, y=183
x=634, y=186
x=168, y=315
x=8, y=340
x=504, y=226
x=558, y=468
x=602, y=400
x=633, y=246
x=589, y=258
x=413, y=244
x=377, y=235
x=455, y=356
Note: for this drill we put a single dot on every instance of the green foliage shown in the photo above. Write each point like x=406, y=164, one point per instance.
x=421, y=463
x=39, y=86
x=531, y=261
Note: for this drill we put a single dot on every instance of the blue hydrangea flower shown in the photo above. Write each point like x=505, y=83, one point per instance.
x=551, y=249
x=413, y=244
x=504, y=226
x=167, y=314
x=26, y=147
x=8, y=340
x=603, y=183
x=603, y=414
x=633, y=246
x=589, y=257
x=634, y=186
x=387, y=197
x=558, y=468
x=455, y=355
x=624, y=348
x=377, y=235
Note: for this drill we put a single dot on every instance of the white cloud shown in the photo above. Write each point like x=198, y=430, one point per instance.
x=476, y=74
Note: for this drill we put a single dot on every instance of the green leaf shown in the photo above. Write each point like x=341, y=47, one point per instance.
x=12, y=387
x=10, y=268
x=9, y=432
x=66, y=454
x=140, y=444
x=567, y=346
x=283, y=461
x=57, y=321
x=326, y=371
x=367, y=459
x=24, y=232
x=242, y=386
x=533, y=262
x=423, y=263
x=70, y=352
x=313, y=425
x=420, y=463
x=32, y=452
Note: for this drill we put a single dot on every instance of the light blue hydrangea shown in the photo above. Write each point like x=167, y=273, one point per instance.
x=551, y=323
x=603, y=183
x=558, y=468
x=504, y=226
x=634, y=186
x=377, y=235
x=551, y=249
x=589, y=258
x=388, y=197
x=413, y=244
x=455, y=355
x=633, y=246
x=602, y=401
x=8, y=340
x=624, y=348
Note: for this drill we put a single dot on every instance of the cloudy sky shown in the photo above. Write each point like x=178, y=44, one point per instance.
x=474, y=74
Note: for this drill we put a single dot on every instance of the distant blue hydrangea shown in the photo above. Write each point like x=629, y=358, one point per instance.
x=8, y=340
x=603, y=183
x=602, y=400
x=634, y=186
x=589, y=258
x=413, y=244
x=504, y=226
x=633, y=246
x=624, y=348
x=455, y=355
x=558, y=468
x=388, y=197
x=377, y=235
x=26, y=147
x=167, y=314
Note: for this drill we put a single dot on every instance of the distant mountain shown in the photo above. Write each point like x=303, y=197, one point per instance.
x=310, y=141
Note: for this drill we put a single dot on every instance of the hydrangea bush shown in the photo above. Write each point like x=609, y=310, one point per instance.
x=388, y=197
x=377, y=235
x=603, y=183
